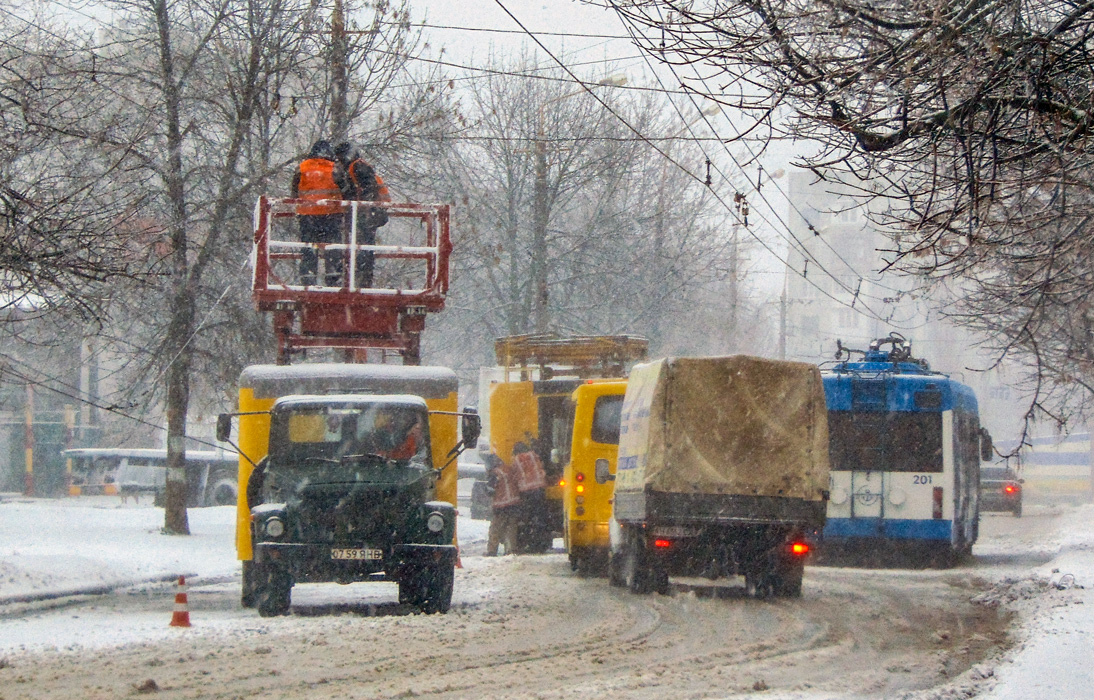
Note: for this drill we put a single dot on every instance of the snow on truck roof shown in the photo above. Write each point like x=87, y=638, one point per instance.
x=386, y=399
x=337, y=378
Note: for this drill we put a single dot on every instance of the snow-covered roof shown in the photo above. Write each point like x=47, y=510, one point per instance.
x=337, y=378
x=387, y=399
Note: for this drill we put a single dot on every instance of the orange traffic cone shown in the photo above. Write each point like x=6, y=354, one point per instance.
x=181, y=616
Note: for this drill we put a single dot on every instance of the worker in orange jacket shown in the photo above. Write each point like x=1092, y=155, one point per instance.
x=320, y=177
x=363, y=184
x=534, y=532
x=506, y=506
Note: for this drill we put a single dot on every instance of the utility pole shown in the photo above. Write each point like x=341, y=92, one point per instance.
x=339, y=74
x=782, y=320
x=539, y=237
x=28, y=442
x=733, y=291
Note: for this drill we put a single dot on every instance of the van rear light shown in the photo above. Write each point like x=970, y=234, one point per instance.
x=936, y=511
x=799, y=549
x=662, y=544
x=1010, y=488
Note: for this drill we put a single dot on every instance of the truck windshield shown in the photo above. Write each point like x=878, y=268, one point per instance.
x=339, y=443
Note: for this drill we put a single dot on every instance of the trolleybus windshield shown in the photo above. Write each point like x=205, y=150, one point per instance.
x=892, y=441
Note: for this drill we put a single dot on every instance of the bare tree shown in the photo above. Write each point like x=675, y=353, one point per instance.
x=971, y=119
x=66, y=207
x=630, y=241
x=232, y=97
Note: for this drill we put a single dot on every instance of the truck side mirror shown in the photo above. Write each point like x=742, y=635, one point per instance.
x=224, y=427
x=470, y=427
x=986, y=449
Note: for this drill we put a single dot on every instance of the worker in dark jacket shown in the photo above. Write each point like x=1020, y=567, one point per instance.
x=363, y=184
x=320, y=177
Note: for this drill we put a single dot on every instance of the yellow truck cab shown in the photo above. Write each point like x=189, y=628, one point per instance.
x=529, y=401
x=589, y=477
x=264, y=388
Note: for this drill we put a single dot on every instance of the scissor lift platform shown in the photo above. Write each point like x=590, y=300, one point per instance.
x=387, y=316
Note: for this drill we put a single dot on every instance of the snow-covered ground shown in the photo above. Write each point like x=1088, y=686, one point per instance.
x=54, y=550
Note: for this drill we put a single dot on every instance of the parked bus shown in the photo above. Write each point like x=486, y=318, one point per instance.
x=210, y=476
x=905, y=447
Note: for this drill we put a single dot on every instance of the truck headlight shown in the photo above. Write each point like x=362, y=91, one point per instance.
x=435, y=522
x=274, y=527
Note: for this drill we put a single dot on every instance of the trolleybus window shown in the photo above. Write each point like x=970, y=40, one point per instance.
x=893, y=441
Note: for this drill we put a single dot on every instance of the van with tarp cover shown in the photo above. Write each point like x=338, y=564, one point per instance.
x=722, y=471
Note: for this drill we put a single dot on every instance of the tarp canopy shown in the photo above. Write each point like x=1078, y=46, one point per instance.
x=725, y=425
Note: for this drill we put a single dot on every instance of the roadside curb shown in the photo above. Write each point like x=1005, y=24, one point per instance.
x=101, y=589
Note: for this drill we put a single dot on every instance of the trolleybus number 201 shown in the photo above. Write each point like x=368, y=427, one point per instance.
x=921, y=479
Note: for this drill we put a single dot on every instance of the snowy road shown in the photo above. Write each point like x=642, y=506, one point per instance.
x=527, y=627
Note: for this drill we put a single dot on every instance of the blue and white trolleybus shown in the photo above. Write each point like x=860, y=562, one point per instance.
x=905, y=445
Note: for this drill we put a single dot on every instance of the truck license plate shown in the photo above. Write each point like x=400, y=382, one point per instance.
x=366, y=554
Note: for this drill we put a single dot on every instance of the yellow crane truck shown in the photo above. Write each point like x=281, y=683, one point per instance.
x=530, y=402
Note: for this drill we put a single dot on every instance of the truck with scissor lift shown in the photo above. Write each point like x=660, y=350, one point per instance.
x=348, y=469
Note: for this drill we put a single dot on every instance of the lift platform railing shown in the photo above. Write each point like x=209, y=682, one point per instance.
x=273, y=286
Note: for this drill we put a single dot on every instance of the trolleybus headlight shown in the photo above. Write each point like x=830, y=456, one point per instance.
x=435, y=522
x=274, y=527
x=838, y=496
x=897, y=497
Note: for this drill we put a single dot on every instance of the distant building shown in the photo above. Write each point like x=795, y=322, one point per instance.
x=835, y=290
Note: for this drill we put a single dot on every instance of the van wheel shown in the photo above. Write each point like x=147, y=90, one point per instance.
x=223, y=489
x=275, y=595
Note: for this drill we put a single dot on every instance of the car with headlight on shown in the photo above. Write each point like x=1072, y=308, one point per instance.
x=1000, y=491
x=348, y=492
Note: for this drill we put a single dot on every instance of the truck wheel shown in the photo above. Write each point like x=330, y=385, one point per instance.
x=636, y=573
x=615, y=570
x=274, y=597
x=248, y=591
x=410, y=587
x=437, y=588
x=788, y=582
x=223, y=489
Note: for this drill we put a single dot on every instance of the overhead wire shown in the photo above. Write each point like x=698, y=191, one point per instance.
x=680, y=166
x=746, y=145
x=8, y=369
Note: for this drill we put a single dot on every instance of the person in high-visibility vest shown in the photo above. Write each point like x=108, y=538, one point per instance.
x=532, y=483
x=363, y=184
x=320, y=177
x=506, y=506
